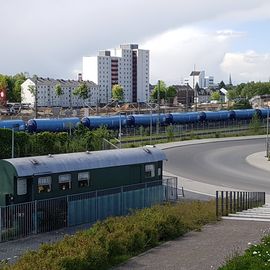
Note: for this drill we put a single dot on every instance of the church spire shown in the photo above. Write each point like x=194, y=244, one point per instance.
x=230, y=79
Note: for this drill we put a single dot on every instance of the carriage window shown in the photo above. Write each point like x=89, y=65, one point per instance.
x=159, y=171
x=83, y=179
x=21, y=186
x=149, y=171
x=64, y=181
x=44, y=184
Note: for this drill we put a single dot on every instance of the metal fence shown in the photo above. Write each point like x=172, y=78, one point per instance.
x=17, y=221
x=229, y=202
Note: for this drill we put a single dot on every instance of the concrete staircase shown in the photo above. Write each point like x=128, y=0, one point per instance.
x=254, y=214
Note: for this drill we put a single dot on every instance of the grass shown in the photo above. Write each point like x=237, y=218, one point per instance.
x=116, y=239
x=257, y=257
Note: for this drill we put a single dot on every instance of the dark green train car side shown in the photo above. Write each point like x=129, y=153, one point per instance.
x=42, y=177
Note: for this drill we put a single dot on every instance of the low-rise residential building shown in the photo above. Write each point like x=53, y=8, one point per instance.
x=185, y=95
x=47, y=95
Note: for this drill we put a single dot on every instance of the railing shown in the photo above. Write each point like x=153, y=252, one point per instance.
x=20, y=220
x=229, y=202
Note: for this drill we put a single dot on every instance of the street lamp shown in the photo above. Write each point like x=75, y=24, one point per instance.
x=267, y=133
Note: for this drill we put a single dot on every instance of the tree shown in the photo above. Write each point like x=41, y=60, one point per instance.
x=82, y=91
x=58, y=90
x=3, y=84
x=241, y=104
x=215, y=96
x=221, y=85
x=170, y=93
x=118, y=92
x=162, y=91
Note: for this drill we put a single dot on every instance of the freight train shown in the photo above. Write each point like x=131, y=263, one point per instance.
x=134, y=120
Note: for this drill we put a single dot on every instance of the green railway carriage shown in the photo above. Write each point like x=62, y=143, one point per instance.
x=42, y=177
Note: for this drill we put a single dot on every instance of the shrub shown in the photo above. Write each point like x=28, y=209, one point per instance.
x=115, y=239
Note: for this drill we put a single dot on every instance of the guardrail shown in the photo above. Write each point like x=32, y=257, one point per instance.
x=229, y=202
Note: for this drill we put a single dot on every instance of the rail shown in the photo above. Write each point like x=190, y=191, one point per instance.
x=230, y=202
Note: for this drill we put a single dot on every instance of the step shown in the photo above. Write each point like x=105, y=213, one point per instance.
x=247, y=219
x=250, y=216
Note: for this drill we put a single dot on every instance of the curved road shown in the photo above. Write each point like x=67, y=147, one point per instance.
x=220, y=163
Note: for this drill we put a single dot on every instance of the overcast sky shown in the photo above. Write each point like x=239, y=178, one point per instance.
x=50, y=37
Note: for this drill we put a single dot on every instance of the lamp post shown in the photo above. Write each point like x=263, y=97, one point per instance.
x=120, y=130
x=267, y=133
x=158, y=99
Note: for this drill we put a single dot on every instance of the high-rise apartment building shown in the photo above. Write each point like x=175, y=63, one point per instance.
x=127, y=66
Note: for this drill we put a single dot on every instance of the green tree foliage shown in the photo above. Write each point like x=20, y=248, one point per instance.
x=162, y=91
x=166, y=93
x=58, y=90
x=82, y=91
x=249, y=90
x=221, y=85
x=118, y=92
x=12, y=85
x=170, y=93
x=52, y=143
x=215, y=96
x=241, y=104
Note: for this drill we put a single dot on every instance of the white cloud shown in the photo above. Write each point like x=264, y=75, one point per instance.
x=174, y=53
x=247, y=66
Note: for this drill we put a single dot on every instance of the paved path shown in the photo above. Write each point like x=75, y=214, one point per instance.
x=204, y=250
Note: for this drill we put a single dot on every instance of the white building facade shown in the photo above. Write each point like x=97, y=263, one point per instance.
x=47, y=96
x=198, y=77
x=127, y=66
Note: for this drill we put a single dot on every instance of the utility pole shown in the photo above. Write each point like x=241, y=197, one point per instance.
x=158, y=99
x=186, y=97
x=12, y=143
x=36, y=98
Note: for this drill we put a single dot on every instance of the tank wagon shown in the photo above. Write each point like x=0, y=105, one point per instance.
x=17, y=125
x=42, y=177
x=245, y=114
x=137, y=120
x=53, y=125
x=111, y=122
x=184, y=118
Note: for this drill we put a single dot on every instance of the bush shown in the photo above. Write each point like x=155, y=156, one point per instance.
x=114, y=240
x=257, y=257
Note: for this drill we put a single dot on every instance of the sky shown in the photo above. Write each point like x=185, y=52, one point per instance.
x=49, y=37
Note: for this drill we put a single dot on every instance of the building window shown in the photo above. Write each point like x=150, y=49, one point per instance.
x=21, y=186
x=64, y=181
x=44, y=184
x=149, y=171
x=83, y=179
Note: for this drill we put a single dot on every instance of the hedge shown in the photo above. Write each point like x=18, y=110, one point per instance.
x=116, y=239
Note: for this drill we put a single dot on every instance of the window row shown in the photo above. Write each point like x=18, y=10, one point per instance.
x=45, y=183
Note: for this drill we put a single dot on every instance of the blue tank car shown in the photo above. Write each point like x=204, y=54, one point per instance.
x=219, y=115
x=111, y=122
x=244, y=114
x=184, y=118
x=53, y=125
x=263, y=113
x=17, y=125
x=145, y=119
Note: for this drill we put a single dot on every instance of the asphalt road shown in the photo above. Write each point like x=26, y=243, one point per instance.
x=220, y=163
